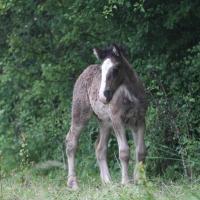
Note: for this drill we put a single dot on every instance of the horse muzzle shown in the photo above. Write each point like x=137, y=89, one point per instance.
x=107, y=96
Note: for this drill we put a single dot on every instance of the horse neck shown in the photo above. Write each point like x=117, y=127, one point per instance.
x=132, y=82
x=130, y=76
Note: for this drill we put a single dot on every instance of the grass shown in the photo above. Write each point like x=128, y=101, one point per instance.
x=31, y=186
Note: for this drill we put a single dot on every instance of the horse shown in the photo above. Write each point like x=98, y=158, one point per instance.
x=113, y=92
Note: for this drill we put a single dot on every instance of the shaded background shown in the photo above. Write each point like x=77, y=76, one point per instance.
x=44, y=46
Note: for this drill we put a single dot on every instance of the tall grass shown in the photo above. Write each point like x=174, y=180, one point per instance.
x=31, y=186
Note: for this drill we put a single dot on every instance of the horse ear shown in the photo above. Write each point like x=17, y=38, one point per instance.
x=116, y=50
x=100, y=54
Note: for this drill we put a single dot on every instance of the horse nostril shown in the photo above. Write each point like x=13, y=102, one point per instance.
x=108, y=94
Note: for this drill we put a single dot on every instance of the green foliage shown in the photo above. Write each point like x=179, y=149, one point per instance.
x=44, y=46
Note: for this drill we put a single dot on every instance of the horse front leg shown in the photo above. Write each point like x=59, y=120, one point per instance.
x=101, y=152
x=71, y=147
x=81, y=112
x=140, y=151
x=123, y=150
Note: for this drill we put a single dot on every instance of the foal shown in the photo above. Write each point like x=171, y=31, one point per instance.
x=114, y=93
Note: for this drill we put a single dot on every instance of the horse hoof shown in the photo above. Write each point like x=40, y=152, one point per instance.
x=136, y=181
x=125, y=182
x=72, y=183
x=105, y=183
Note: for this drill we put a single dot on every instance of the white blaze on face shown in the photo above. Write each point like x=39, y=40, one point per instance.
x=106, y=65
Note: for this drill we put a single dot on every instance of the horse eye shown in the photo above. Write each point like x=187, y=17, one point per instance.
x=115, y=71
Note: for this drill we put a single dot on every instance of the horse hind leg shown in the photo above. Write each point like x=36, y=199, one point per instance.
x=71, y=146
x=80, y=116
x=140, y=151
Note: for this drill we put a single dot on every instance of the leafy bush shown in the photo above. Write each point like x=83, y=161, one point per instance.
x=45, y=44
